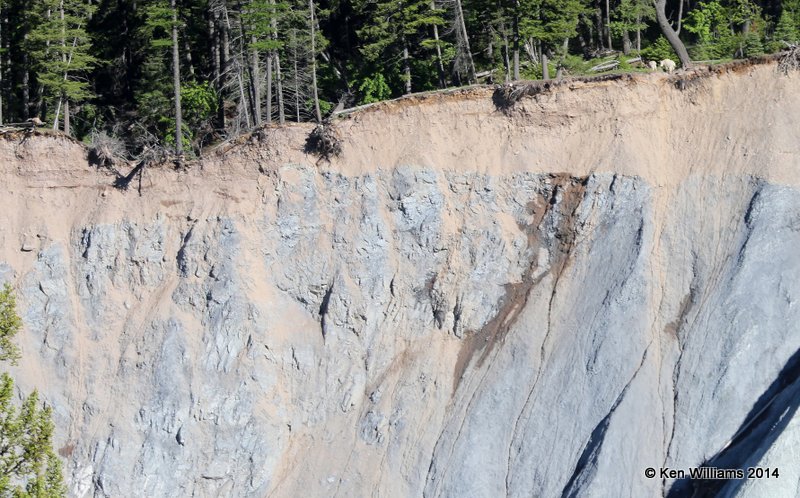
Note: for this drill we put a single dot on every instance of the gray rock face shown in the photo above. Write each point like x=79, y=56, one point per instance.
x=420, y=332
x=545, y=301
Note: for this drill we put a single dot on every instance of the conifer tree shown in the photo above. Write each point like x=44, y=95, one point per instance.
x=631, y=16
x=28, y=465
x=395, y=31
x=785, y=30
x=10, y=325
x=261, y=27
x=161, y=72
x=554, y=22
x=62, y=54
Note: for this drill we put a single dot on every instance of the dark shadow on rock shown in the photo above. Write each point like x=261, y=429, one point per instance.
x=768, y=418
x=123, y=182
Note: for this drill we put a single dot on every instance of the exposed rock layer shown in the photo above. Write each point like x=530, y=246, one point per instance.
x=465, y=303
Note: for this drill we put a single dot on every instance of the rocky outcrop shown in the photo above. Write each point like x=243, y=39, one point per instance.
x=541, y=302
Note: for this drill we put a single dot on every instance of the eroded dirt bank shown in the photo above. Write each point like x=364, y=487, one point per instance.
x=467, y=302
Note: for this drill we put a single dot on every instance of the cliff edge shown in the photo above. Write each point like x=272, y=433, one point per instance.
x=541, y=301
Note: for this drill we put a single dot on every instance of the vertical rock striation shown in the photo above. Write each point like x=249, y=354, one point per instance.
x=419, y=327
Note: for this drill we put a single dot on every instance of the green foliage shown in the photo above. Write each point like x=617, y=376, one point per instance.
x=630, y=15
x=395, y=26
x=325, y=107
x=199, y=103
x=168, y=125
x=659, y=50
x=707, y=21
x=157, y=28
x=752, y=45
x=111, y=59
x=374, y=89
x=786, y=29
x=556, y=21
x=719, y=29
x=154, y=103
x=154, y=91
x=10, y=325
x=61, y=48
x=260, y=19
x=575, y=64
x=28, y=465
x=741, y=11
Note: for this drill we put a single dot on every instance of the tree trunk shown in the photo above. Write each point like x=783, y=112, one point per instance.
x=176, y=81
x=680, y=17
x=638, y=33
x=516, y=41
x=584, y=47
x=216, y=61
x=268, y=116
x=214, y=48
x=244, y=60
x=740, y=53
x=545, y=69
x=67, y=129
x=626, y=42
x=296, y=76
x=463, y=27
x=255, y=84
x=670, y=34
x=39, y=104
x=439, y=62
x=277, y=58
x=226, y=43
x=26, y=89
x=187, y=51
x=608, y=25
x=279, y=88
x=317, y=112
x=225, y=66
x=598, y=13
x=62, y=97
x=506, y=57
x=406, y=67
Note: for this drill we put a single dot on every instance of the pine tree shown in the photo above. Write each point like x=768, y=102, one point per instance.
x=785, y=30
x=28, y=464
x=10, y=325
x=62, y=55
x=631, y=16
x=260, y=20
x=552, y=24
x=399, y=31
x=158, y=94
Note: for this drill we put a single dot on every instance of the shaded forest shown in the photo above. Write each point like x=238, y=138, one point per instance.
x=132, y=72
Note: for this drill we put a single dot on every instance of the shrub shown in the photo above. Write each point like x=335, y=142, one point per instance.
x=659, y=50
x=374, y=89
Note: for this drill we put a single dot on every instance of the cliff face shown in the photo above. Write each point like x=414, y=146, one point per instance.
x=465, y=303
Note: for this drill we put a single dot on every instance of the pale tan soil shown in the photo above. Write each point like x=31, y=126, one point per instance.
x=737, y=124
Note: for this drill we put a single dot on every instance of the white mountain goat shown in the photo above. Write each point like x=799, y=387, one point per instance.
x=667, y=65
x=653, y=65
